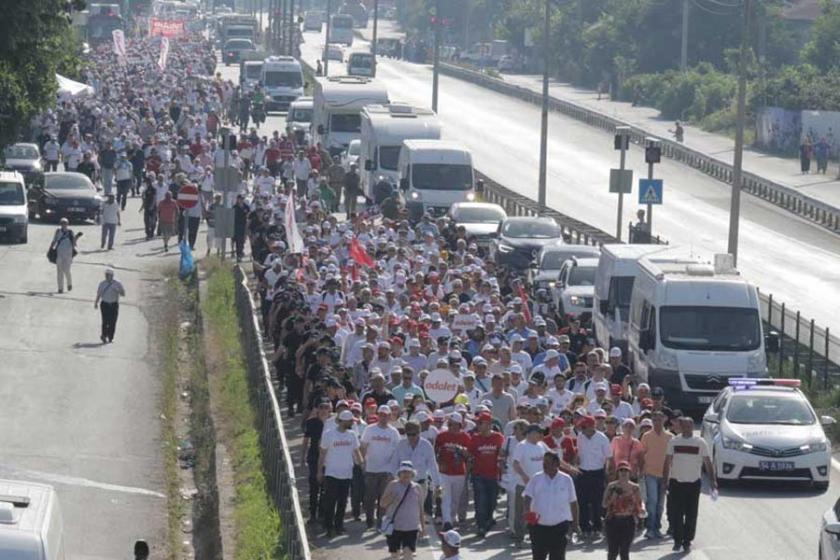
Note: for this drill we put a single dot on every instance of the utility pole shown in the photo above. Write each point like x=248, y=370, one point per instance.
x=622, y=140
x=544, y=120
x=373, y=47
x=292, y=28
x=735, y=207
x=684, y=49
x=436, y=69
x=327, y=40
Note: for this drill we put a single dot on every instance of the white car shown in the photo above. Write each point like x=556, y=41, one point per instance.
x=765, y=429
x=574, y=291
x=335, y=52
x=351, y=154
x=830, y=533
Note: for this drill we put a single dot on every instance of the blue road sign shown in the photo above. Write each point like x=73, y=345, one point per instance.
x=650, y=191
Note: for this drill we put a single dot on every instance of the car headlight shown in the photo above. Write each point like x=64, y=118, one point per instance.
x=814, y=447
x=551, y=285
x=668, y=360
x=505, y=248
x=415, y=195
x=470, y=196
x=20, y=219
x=735, y=444
x=576, y=300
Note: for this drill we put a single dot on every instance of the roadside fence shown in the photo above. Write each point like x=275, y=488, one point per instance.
x=277, y=461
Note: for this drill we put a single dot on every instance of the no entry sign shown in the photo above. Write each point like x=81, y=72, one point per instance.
x=187, y=196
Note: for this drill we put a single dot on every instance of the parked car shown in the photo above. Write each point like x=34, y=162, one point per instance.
x=829, y=546
x=25, y=158
x=14, y=221
x=574, y=291
x=480, y=219
x=520, y=239
x=64, y=195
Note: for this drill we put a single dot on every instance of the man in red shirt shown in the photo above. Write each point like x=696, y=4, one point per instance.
x=452, y=449
x=485, y=447
x=562, y=440
x=272, y=158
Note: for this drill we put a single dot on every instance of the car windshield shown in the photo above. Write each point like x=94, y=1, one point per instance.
x=441, y=177
x=11, y=194
x=301, y=115
x=348, y=122
x=289, y=79
x=485, y=215
x=769, y=409
x=710, y=328
x=582, y=276
x=20, y=152
x=67, y=182
x=389, y=157
x=361, y=61
x=253, y=71
x=532, y=229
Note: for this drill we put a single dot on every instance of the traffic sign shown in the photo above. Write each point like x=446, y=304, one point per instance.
x=650, y=191
x=187, y=196
x=621, y=181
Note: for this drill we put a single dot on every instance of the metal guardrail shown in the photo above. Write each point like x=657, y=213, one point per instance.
x=780, y=195
x=277, y=461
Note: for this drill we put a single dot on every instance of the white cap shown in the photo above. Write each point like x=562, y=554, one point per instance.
x=383, y=410
x=452, y=538
x=345, y=415
x=422, y=416
x=551, y=354
x=456, y=417
x=615, y=352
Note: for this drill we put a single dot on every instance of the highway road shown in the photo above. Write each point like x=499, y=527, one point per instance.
x=75, y=413
x=796, y=261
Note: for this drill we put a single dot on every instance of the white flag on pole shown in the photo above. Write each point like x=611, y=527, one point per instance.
x=293, y=238
x=119, y=44
x=164, y=53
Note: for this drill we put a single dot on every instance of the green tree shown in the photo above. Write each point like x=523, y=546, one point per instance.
x=35, y=43
x=823, y=50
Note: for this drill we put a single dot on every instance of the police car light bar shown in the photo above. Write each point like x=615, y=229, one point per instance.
x=748, y=382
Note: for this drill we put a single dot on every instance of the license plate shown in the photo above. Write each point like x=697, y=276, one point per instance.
x=775, y=466
x=705, y=400
x=76, y=209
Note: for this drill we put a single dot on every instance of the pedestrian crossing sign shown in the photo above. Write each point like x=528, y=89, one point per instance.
x=650, y=191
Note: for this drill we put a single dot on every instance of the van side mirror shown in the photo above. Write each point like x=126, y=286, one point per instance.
x=771, y=342
x=368, y=165
x=320, y=129
x=604, y=306
x=712, y=418
x=404, y=184
x=646, y=339
x=479, y=186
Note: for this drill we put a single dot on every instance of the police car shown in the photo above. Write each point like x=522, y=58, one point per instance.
x=765, y=429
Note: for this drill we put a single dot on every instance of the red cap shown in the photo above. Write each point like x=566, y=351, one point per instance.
x=615, y=389
x=587, y=421
x=484, y=417
x=623, y=465
x=396, y=340
x=558, y=423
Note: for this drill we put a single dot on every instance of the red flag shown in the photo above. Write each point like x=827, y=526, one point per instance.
x=526, y=310
x=358, y=254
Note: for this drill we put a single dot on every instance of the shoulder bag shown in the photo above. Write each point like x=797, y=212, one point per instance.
x=387, y=527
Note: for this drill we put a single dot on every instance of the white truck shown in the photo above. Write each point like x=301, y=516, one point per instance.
x=691, y=327
x=31, y=526
x=337, y=106
x=282, y=78
x=434, y=175
x=341, y=29
x=384, y=128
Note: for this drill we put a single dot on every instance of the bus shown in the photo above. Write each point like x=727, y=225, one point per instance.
x=341, y=29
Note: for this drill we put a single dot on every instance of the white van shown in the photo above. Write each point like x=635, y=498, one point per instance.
x=618, y=266
x=313, y=20
x=282, y=78
x=692, y=326
x=360, y=64
x=299, y=119
x=250, y=74
x=337, y=107
x=31, y=527
x=384, y=127
x=14, y=212
x=434, y=175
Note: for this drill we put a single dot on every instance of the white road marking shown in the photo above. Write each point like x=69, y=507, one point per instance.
x=77, y=481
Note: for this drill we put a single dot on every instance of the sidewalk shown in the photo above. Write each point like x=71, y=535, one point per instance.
x=785, y=171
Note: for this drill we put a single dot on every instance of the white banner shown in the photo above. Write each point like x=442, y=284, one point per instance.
x=293, y=238
x=164, y=53
x=119, y=44
x=441, y=385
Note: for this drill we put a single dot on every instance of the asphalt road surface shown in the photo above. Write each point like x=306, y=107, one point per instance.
x=798, y=262
x=75, y=413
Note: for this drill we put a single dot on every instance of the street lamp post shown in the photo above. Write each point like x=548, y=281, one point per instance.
x=436, y=68
x=326, y=56
x=622, y=142
x=373, y=46
x=541, y=197
x=737, y=164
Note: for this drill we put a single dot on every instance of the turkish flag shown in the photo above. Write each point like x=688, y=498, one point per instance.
x=358, y=254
